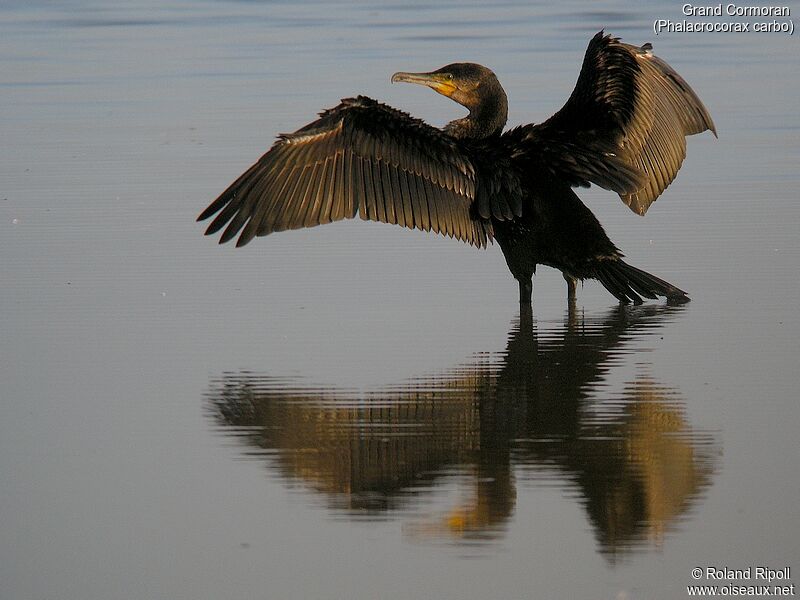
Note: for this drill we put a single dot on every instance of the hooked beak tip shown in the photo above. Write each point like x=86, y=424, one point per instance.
x=400, y=77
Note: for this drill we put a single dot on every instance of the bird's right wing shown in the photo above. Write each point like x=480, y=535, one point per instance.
x=361, y=157
x=623, y=128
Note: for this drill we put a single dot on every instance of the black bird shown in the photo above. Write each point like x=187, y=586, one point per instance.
x=623, y=128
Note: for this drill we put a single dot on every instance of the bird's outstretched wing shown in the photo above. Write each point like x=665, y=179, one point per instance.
x=361, y=157
x=623, y=128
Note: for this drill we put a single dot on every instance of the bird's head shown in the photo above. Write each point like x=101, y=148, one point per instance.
x=470, y=84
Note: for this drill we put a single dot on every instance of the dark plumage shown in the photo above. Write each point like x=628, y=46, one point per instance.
x=623, y=128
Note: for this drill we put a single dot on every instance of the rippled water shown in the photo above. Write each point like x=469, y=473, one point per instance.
x=535, y=414
x=357, y=410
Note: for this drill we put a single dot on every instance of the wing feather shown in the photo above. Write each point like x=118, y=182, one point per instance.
x=444, y=207
x=326, y=191
x=294, y=212
x=423, y=185
x=358, y=186
x=360, y=157
x=392, y=202
x=623, y=128
x=338, y=194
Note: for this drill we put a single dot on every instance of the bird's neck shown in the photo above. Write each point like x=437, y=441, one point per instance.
x=484, y=120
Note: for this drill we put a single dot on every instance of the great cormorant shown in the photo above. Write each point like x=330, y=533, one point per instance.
x=623, y=128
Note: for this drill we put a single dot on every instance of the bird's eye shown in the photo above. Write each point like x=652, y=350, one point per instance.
x=450, y=76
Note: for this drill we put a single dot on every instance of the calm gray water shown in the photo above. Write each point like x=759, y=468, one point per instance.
x=359, y=411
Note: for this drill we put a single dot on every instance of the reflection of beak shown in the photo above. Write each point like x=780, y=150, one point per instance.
x=436, y=81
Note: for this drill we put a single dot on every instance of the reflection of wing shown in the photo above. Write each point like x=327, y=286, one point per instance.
x=624, y=126
x=661, y=466
x=635, y=461
x=362, y=452
x=361, y=157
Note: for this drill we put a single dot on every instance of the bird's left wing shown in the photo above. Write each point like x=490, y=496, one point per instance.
x=361, y=157
x=623, y=128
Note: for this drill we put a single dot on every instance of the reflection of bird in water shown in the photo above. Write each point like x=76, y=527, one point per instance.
x=623, y=128
x=528, y=414
x=647, y=483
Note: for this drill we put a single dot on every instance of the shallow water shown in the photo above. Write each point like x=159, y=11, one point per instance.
x=358, y=410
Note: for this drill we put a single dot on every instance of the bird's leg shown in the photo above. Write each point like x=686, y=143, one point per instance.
x=571, y=285
x=572, y=312
x=525, y=290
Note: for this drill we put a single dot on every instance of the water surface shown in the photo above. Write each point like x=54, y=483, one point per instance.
x=358, y=410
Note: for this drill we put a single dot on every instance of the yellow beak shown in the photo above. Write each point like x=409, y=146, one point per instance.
x=439, y=82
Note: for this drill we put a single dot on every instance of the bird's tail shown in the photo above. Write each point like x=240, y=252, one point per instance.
x=629, y=284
